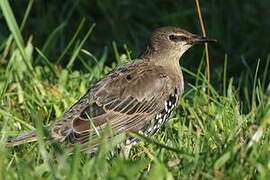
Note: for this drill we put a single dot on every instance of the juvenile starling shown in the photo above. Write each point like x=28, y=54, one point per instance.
x=137, y=96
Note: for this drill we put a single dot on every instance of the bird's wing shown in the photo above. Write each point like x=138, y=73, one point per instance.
x=126, y=99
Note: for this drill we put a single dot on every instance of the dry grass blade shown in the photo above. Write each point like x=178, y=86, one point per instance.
x=206, y=45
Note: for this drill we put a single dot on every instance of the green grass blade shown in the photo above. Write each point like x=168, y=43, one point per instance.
x=13, y=27
x=49, y=42
x=71, y=42
x=78, y=49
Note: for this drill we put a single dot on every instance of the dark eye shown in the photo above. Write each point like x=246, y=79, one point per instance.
x=176, y=38
x=173, y=37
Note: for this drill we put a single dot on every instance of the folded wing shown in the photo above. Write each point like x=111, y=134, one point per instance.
x=125, y=100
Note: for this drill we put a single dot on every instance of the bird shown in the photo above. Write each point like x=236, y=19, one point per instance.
x=137, y=96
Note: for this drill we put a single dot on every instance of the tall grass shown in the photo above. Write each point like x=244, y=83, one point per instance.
x=226, y=137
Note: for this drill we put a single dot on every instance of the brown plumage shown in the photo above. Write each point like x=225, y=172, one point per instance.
x=138, y=96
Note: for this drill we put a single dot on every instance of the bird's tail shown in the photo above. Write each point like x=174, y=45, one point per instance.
x=22, y=139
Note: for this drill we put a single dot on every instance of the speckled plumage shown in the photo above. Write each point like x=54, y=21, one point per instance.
x=138, y=96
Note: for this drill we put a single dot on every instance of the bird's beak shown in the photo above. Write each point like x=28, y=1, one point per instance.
x=199, y=39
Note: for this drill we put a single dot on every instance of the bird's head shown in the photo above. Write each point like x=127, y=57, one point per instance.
x=174, y=41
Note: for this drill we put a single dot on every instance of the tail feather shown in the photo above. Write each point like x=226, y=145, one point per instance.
x=23, y=138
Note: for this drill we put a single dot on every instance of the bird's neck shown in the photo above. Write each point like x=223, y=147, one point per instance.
x=166, y=59
x=170, y=62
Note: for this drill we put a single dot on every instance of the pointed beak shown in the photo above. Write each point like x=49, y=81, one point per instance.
x=199, y=39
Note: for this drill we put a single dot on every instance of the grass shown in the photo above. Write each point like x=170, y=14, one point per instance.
x=224, y=137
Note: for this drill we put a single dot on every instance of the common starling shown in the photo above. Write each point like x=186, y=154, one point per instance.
x=138, y=96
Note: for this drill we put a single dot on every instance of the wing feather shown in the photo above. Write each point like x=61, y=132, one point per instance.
x=114, y=101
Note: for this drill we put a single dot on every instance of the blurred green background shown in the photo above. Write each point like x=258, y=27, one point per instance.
x=241, y=27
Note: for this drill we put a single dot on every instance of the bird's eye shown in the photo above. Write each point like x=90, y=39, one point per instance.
x=176, y=38
x=173, y=37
